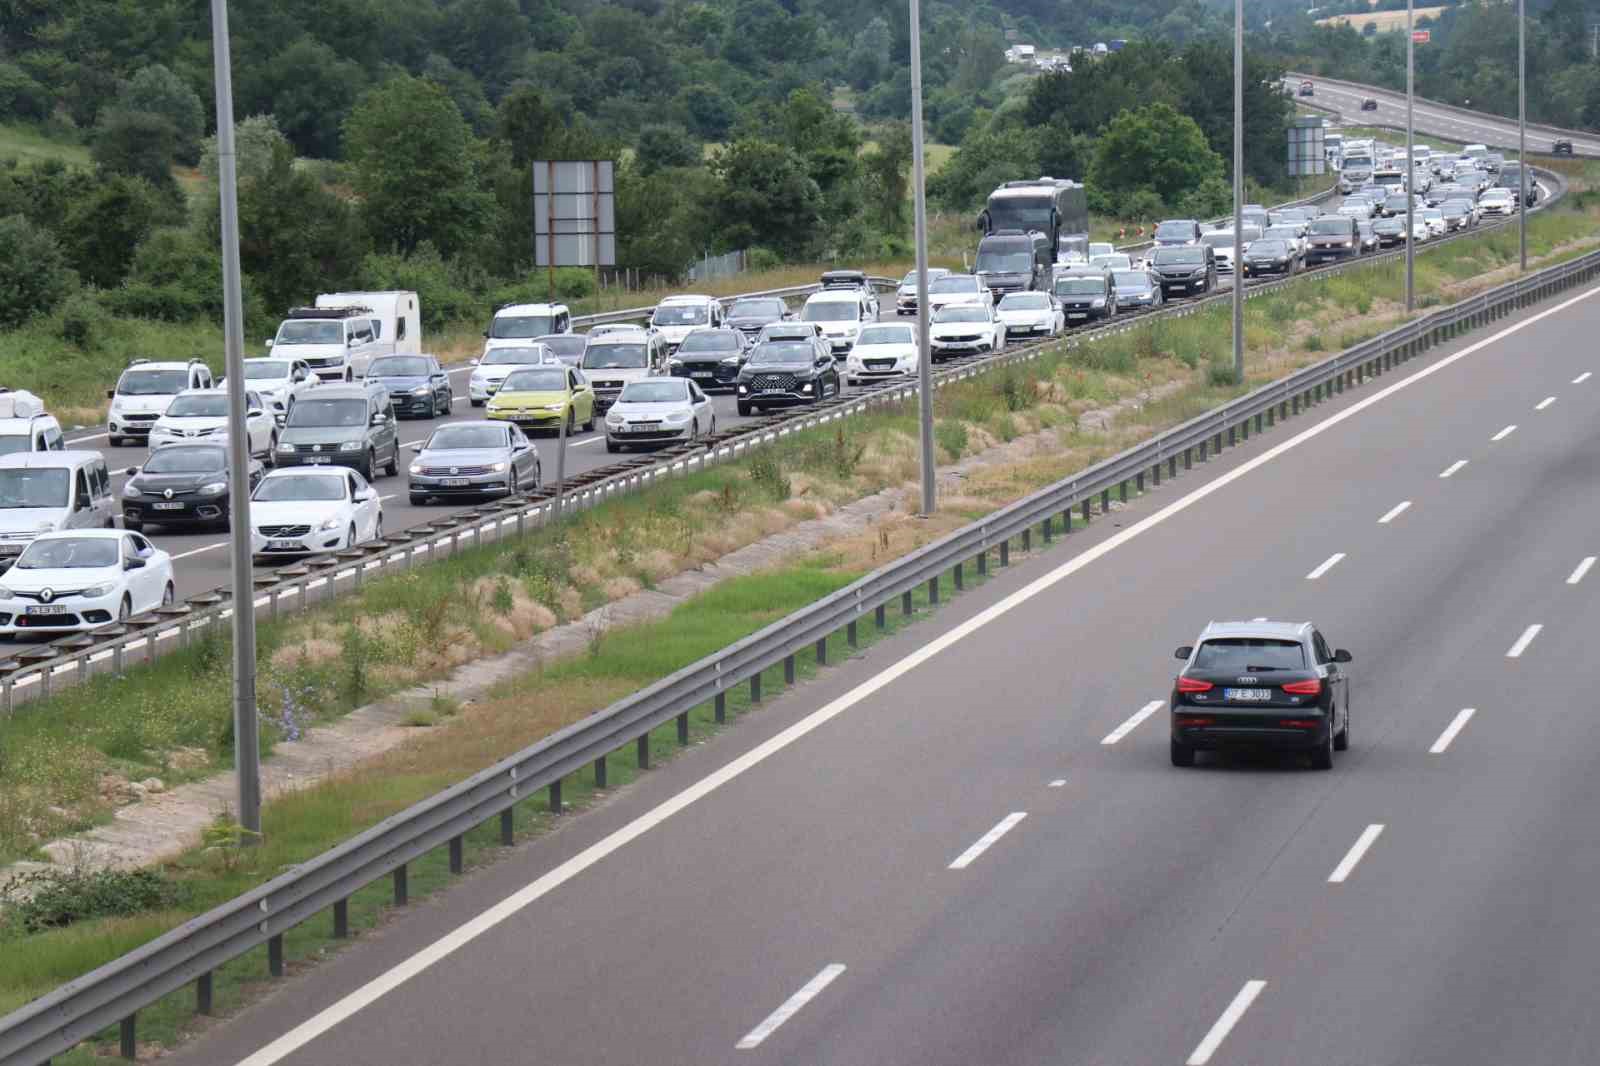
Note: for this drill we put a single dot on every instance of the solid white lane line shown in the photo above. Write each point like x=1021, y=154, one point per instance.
x=1133, y=723
x=1546, y=402
x=1394, y=512
x=197, y=551
x=1583, y=568
x=1523, y=641
x=1457, y=724
x=791, y=1006
x=1453, y=467
x=360, y=998
x=1328, y=564
x=988, y=840
x=1059, y=782
x=1581, y=378
x=1230, y=1017
x=1368, y=837
x=1503, y=434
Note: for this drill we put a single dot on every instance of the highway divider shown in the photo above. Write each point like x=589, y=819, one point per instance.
x=113, y=994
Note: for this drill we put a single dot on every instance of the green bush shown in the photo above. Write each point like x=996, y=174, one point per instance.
x=574, y=283
x=766, y=473
x=34, y=276
x=1219, y=375
x=762, y=259
x=442, y=291
x=52, y=898
x=83, y=320
x=952, y=437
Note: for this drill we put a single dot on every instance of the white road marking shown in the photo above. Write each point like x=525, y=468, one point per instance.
x=1059, y=782
x=1368, y=837
x=1394, y=512
x=988, y=840
x=1453, y=467
x=197, y=551
x=360, y=998
x=1457, y=724
x=1230, y=1017
x=1328, y=564
x=791, y=1006
x=1583, y=568
x=1523, y=641
x=1546, y=402
x=1133, y=723
x=1581, y=378
x=1503, y=434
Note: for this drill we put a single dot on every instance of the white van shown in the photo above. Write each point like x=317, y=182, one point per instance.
x=839, y=313
x=678, y=316
x=143, y=392
x=45, y=491
x=24, y=426
x=515, y=325
x=341, y=335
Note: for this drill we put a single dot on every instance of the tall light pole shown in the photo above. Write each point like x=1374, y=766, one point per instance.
x=920, y=210
x=246, y=750
x=1411, y=159
x=1522, y=134
x=1238, y=192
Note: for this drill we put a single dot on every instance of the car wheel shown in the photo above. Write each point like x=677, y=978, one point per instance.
x=377, y=527
x=124, y=609
x=272, y=451
x=168, y=595
x=1182, y=754
x=572, y=422
x=369, y=465
x=392, y=467
x=477, y=403
x=612, y=446
x=1341, y=739
x=694, y=431
x=350, y=536
x=133, y=525
x=115, y=442
x=744, y=409
x=1322, y=754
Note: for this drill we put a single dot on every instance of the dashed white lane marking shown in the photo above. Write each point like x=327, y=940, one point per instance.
x=1457, y=724
x=791, y=1006
x=1546, y=402
x=988, y=840
x=1328, y=564
x=1133, y=723
x=1368, y=837
x=1394, y=512
x=1059, y=782
x=1230, y=1017
x=203, y=548
x=1581, y=378
x=1583, y=568
x=1503, y=434
x=1453, y=467
x=1523, y=641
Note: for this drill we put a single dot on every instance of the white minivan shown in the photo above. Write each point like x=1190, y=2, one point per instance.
x=678, y=316
x=839, y=313
x=45, y=491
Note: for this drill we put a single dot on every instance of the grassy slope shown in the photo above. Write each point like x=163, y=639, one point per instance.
x=28, y=146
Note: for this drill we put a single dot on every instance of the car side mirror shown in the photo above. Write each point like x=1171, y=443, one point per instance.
x=379, y=419
x=133, y=564
x=1343, y=656
x=130, y=472
x=269, y=342
x=1184, y=652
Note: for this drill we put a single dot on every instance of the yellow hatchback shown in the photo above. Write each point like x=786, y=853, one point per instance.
x=540, y=397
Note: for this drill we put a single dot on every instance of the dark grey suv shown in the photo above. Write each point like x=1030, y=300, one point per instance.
x=342, y=425
x=1185, y=269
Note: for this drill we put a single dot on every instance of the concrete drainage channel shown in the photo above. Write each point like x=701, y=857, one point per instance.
x=33, y=672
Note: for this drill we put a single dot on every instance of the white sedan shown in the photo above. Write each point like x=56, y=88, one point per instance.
x=1036, y=313
x=959, y=329
x=305, y=509
x=658, y=411
x=280, y=383
x=82, y=578
x=202, y=414
x=1498, y=202
x=882, y=352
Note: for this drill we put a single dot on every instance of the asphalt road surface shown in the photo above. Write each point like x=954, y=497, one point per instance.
x=967, y=845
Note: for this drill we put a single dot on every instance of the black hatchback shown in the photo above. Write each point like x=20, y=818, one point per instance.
x=1274, y=686
x=181, y=485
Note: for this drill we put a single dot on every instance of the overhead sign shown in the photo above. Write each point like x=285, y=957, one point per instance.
x=1421, y=36
x=574, y=213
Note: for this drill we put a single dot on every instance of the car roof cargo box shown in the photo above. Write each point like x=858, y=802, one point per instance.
x=843, y=278
x=20, y=404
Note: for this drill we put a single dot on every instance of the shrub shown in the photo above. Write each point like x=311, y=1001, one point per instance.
x=34, y=276
x=762, y=259
x=83, y=320
x=52, y=898
x=574, y=283
x=443, y=293
x=952, y=437
x=768, y=476
x=1314, y=343
x=1219, y=375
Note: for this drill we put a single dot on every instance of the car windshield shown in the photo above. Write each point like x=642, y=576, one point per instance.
x=518, y=356
x=210, y=406
x=34, y=488
x=675, y=315
x=960, y=313
x=1025, y=301
x=532, y=380
x=615, y=357
x=763, y=308
x=300, y=487
x=1432, y=212
x=1175, y=231
x=152, y=382
x=1114, y=259
x=1282, y=233
x=185, y=459
x=1217, y=239
x=12, y=443
x=783, y=352
x=521, y=327
x=1079, y=286
x=1179, y=256
x=1331, y=227
x=1005, y=262
x=1269, y=247
x=470, y=435
x=70, y=553
x=1250, y=655
x=266, y=369
x=954, y=283
x=311, y=333
x=710, y=340
x=567, y=346
x=934, y=274
x=398, y=366
x=831, y=311
x=310, y=412
x=1133, y=279
x=886, y=335
x=655, y=392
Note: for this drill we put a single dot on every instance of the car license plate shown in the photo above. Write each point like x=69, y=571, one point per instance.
x=455, y=482
x=702, y=373
x=769, y=388
x=167, y=506
x=1247, y=695
x=283, y=545
x=1078, y=314
x=316, y=460
x=51, y=608
x=644, y=427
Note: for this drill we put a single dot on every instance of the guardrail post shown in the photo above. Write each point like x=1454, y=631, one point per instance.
x=6, y=696
x=880, y=615
x=719, y=711
x=555, y=796
x=401, y=887
x=960, y=576
x=127, y=1032
x=202, y=994
x=822, y=652
x=1338, y=385
x=1138, y=485
x=1155, y=473
x=1188, y=458
x=1217, y=444
x=1204, y=449
x=1005, y=553
x=1105, y=501
x=275, y=955
x=1295, y=404
x=683, y=729
x=933, y=590
x=905, y=602
x=788, y=669
x=508, y=827
x=1233, y=438
x=983, y=569
x=641, y=747
x=456, y=861
x=1049, y=521
x=341, y=919
x=755, y=687
x=1087, y=509
x=1172, y=466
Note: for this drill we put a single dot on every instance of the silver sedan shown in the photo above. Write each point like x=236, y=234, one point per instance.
x=659, y=411
x=473, y=459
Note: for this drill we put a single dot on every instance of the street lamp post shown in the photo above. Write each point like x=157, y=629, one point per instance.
x=920, y=210
x=1522, y=134
x=1238, y=192
x=1411, y=159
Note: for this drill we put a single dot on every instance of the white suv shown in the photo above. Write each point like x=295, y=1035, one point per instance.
x=840, y=314
x=24, y=426
x=517, y=325
x=143, y=392
x=678, y=316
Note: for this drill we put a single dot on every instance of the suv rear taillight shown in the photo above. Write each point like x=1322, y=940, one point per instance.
x=1189, y=684
x=1304, y=688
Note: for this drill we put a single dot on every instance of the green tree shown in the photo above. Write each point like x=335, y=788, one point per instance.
x=309, y=88
x=710, y=111
x=868, y=60
x=887, y=183
x=21, y=95
x=158, y=91
x=1153, y=148
x=255, y=141
x=34, y=276
x=985, y=159
x=137, y=143
x=176, y=276
x=414, y=164
x=663, y=218
x=104, y=225
x=663, y=146
x=765, y=197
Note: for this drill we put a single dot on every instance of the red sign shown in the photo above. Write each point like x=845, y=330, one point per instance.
x=1421, y=36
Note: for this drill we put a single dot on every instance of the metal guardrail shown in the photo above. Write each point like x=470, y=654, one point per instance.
x=115, y=992
x=31, y=672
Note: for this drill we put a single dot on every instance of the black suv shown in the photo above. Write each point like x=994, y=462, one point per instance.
x=181, y=485
x=780, y=373
x=1187, y=269
x=1085, y=294
x=748, y=314
x=1265, y=685
x=342, y=425
x=711, y=357
x=1561, y=147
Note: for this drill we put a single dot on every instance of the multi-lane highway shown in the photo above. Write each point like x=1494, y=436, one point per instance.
x=968, y=845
